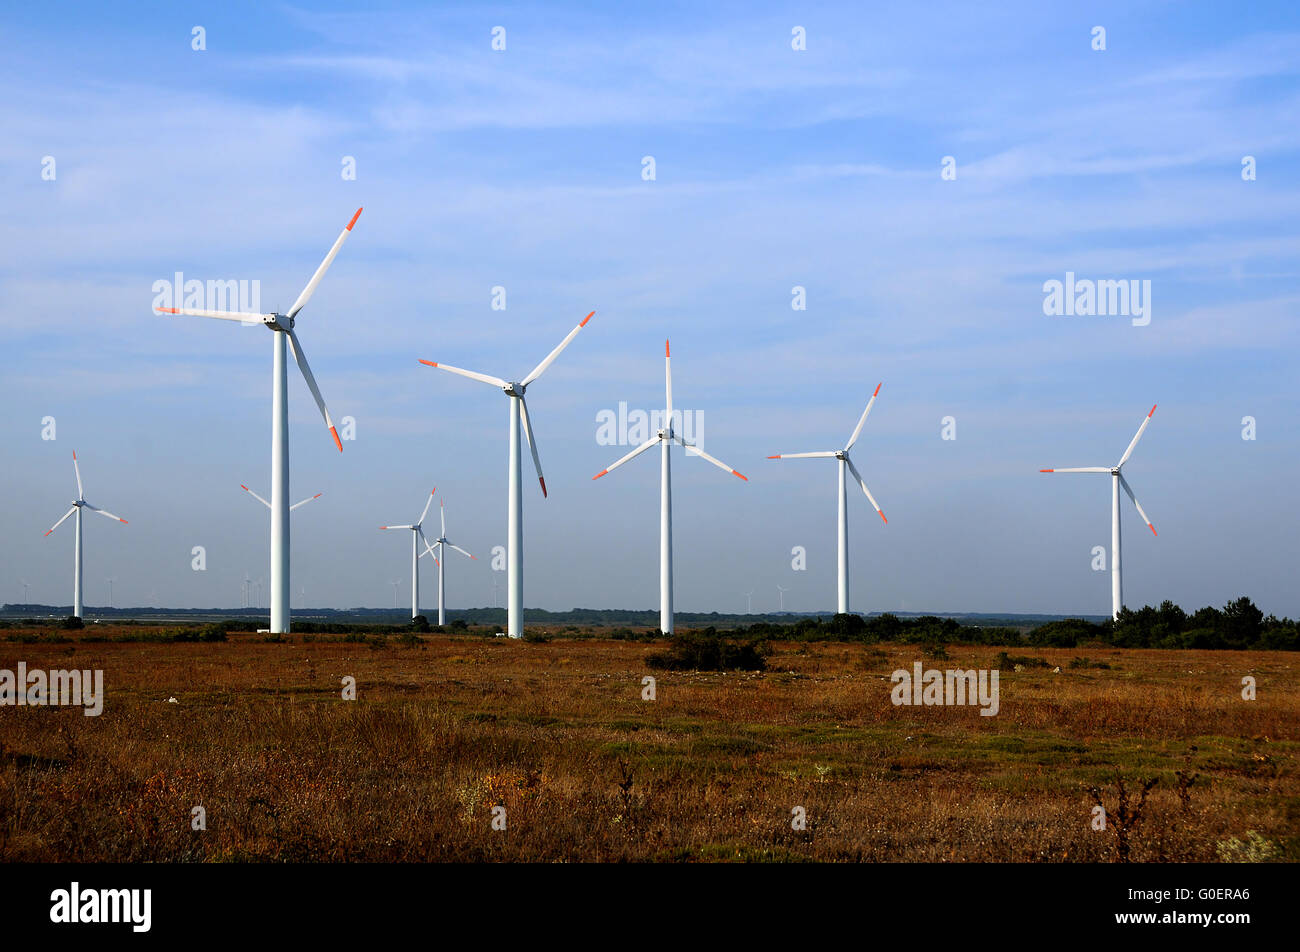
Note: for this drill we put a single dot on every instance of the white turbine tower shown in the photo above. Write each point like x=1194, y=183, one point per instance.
x=79, y=504
x=665, y=438
x=515, y=506
x=749, y=602
x=780, y=594
x=1117, y=481
x=417, y=533
x=442, y=544
x=845, y=466
x=282, y=325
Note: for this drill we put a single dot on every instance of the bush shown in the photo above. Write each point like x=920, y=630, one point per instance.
x=420, y=623
x=704, y=653
x=72, y=623
x=1005, y=660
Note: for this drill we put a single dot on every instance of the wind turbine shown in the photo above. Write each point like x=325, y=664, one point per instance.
x=442, y=543
x=515, y=515
x=845, y=466
x=665, y=438
x=1117, y=481
x=417, y=533
x=282, y=325
x=749, y=602
x=395, y=582
x=79, y=504
x=780, y=594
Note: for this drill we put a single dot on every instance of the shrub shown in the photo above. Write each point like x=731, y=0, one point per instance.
x=72, y=623
x=703, y=653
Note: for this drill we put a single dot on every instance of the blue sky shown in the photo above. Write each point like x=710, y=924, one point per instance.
x=774, y=168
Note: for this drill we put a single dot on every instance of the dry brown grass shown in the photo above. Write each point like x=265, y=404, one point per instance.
x=559, y=735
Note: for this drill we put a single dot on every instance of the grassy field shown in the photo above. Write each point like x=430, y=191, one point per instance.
x=558, y=733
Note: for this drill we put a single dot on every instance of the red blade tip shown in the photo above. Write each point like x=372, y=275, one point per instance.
x=741, y=475
x=1047, y=470
x=587, y=318
x=354, y=219
x=337, y=442
x=1152, y=413
x=1152, y=528
x=428, y=362
x=878, y=386
x=600, y=474
x=166, y=310
x=778, y=456
x=543, y=482
x=882, y=515
x=667, y=352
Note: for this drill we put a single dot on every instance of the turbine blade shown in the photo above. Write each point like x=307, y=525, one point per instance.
x=299, y=356
x=668, y=386
x=61, y=521
x=495, y=381
x=532, y=444
x=255, y=495
x=854, y=438
x=103, y=512
x=1128, y=489
x=397, y=527
x=802, y=455
x=427, y=503
x=692, y=448
x=310, y=289
x=461, y=551
x=428, y=550
x=442, y=514
x=550, y=358
x=241, y=316
x=81, y=493
x=305, y=501
x=1129, y=452
x=863, y=483
x=1079, y=469
x=636, y=452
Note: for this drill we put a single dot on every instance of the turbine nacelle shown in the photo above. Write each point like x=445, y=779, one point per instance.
x=513, y=388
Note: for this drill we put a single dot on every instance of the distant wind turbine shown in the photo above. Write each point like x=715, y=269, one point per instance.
x=442, y=544
x=780, y=594
x=417, y=534
x=515, y=514
x=79, y=504
x=1117, y=481
x=283, y=326
x=845, y=466
x=749, y=602
x=665, y=438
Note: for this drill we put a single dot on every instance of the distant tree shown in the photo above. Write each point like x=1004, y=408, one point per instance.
x=1242, y=623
